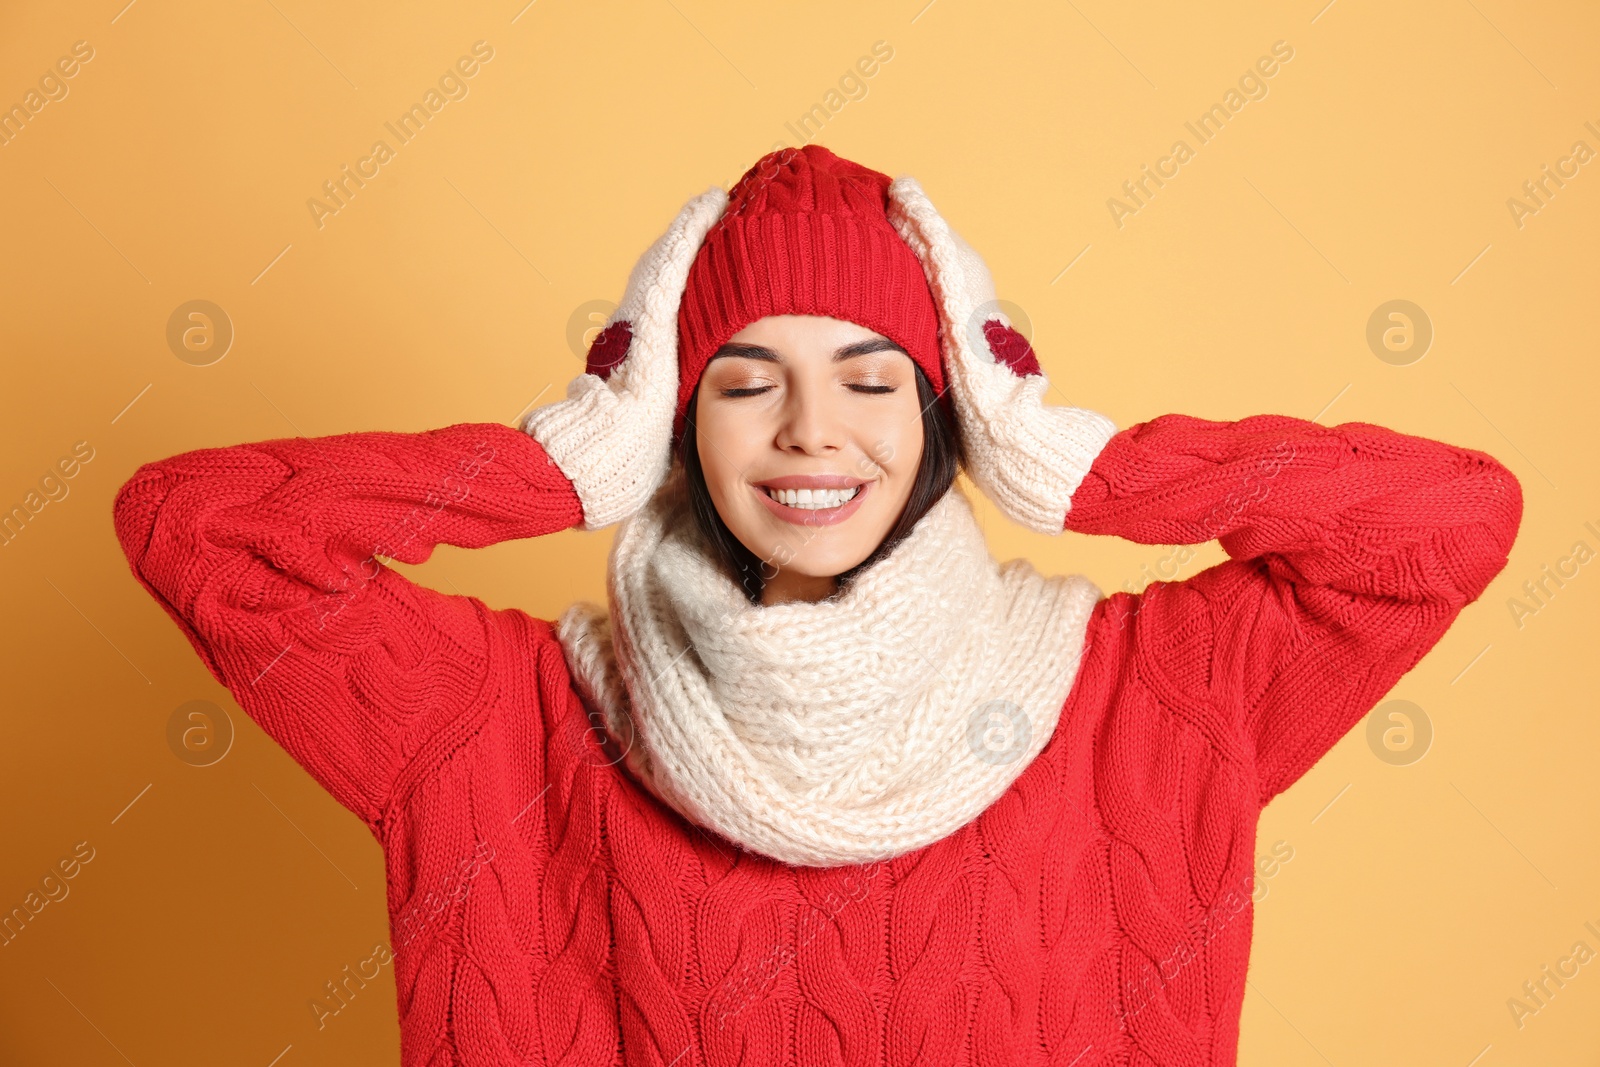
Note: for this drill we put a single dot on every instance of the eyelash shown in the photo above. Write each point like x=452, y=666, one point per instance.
x=754, y=391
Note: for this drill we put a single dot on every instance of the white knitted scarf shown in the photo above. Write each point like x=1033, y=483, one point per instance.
x=837, y=732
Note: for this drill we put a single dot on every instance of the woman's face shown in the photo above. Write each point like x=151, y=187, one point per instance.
x=808, y=406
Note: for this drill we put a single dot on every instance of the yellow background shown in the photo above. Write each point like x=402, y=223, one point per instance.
x=1377, y=167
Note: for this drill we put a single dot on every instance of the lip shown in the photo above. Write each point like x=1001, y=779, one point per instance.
x=812, y=481
x=804, y=517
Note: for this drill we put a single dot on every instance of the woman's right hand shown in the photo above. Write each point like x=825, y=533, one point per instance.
x=612, y=435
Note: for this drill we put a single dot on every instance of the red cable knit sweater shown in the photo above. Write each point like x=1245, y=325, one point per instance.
x=545, y=909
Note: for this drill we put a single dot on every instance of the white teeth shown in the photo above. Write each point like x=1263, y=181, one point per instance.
x=812, y=499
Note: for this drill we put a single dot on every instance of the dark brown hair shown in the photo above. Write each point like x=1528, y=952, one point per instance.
x=941, y=456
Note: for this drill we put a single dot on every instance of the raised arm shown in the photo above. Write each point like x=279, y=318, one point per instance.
x=267, y=555
x=1353, y=549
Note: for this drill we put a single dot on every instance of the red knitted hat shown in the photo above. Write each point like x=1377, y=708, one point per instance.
x=805, y=233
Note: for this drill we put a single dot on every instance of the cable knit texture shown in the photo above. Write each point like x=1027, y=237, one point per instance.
x=612, y=433
x=1097, y=913
x=1027, y=456
x=806, y=233
x=853, y=729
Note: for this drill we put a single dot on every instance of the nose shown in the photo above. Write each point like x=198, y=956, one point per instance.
x=809, y=422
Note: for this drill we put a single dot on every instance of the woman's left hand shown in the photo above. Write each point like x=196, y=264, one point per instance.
x=1027, y=456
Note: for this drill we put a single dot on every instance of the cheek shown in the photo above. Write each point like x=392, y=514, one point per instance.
x=712, y=448
x=893, y=444
x=722, y=446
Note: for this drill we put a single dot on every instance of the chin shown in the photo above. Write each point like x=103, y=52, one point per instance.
x=828, y=567
x=816, y=552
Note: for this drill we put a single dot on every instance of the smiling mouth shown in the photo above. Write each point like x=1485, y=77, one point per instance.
x=816, y=504
x=812, y=499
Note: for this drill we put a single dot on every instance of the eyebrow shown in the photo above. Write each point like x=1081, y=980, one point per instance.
x=761, y=352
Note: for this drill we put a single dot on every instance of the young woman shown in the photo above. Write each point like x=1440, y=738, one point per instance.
x=823, y=783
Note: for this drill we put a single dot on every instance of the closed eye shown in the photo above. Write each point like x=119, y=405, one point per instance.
x=756, y=390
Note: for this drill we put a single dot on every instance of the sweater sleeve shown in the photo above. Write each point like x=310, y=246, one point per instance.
x=267, y=556
x=1352, y=548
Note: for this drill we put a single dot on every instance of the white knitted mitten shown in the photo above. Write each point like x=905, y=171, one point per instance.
x=1027, y=456
x=612, y=435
